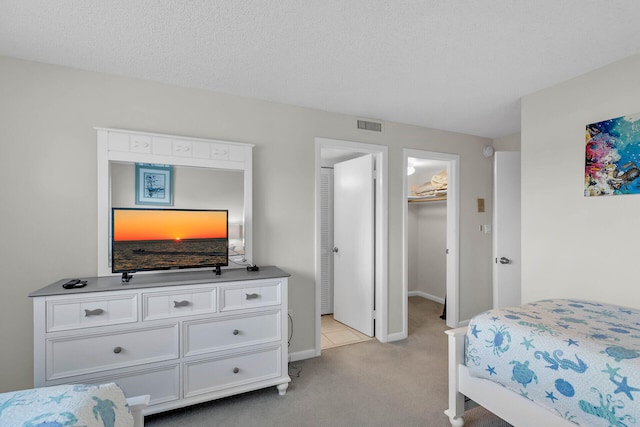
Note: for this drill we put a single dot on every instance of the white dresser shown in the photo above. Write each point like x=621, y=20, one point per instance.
x=183, y=338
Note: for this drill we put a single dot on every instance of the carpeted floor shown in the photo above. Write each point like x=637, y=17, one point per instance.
x=366, y=384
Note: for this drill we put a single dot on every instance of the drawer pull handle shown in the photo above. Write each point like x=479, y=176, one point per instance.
x=236, y=370
x=95, y=312
x=236, y=332
x=252, y=296
x=177, y=304
x=117, y=350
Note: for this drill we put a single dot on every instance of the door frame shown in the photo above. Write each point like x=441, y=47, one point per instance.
x=453, y=233
x=380, y=153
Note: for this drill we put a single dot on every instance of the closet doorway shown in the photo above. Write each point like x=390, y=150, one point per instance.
x=329, y=153
x=431, y=235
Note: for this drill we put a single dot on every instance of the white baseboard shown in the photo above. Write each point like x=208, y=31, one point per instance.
x=398, y=336
x=302, y=355
x=425, y=295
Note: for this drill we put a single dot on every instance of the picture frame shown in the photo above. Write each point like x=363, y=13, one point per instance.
x=154, y=185
x=611, y=157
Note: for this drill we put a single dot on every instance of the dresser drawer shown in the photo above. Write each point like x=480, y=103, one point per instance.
x=66, y=356
x=250, y=295
x=216, y=374
x=159, y=305
x=203, y=336
x=162, y=384
x=87, y=312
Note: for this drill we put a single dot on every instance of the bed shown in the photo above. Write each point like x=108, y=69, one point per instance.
x=71, y=405
x=559, y=362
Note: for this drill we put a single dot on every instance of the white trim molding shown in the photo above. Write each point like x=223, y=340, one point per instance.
x=380, y=153
x=117, y=145
x=453, y=232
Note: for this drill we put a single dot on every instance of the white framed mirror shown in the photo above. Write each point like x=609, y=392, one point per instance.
x=208, y=174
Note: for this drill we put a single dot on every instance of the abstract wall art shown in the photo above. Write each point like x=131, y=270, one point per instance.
x=612, y=157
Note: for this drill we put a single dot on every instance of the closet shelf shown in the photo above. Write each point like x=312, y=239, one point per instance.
x=428, y=199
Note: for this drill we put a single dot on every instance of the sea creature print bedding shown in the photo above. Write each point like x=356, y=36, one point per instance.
x=68, y=405
x=579, y=359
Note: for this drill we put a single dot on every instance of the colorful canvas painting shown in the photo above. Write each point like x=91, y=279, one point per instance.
x=612, y=157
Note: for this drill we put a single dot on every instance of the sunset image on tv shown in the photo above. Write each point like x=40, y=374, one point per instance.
x=155, y=239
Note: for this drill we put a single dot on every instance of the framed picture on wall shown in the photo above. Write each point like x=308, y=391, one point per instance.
x=611, y=157
x=154, y=184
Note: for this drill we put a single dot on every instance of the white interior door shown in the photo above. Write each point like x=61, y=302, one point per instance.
x=326, y=240
x=506, y=230
x=353, y=260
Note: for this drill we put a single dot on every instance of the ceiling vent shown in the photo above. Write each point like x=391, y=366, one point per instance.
x=372, y=126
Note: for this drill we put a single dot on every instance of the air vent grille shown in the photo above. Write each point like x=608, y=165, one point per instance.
x=372, y=126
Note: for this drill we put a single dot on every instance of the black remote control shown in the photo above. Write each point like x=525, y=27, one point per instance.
x=74, y=283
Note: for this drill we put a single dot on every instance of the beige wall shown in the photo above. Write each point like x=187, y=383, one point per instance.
x=48, y=187
x=427, y=249
x=572, y=245
x=507, y=143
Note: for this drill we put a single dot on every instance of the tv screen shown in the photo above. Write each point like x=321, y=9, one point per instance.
x=163, y=239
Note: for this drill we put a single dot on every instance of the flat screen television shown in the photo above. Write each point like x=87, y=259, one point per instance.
x=166, y=239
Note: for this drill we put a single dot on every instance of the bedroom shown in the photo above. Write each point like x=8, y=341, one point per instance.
x=51, y=115
x=50, y=112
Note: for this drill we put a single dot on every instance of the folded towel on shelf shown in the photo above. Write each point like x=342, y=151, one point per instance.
x=425, y=189
x=438, y=182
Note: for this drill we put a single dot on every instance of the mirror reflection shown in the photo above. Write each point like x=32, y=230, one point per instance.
x=193, y=188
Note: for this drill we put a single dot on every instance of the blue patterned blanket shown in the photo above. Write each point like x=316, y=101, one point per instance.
x=72, y=405
x=576, y=358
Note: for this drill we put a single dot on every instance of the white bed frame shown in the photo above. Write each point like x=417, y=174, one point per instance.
x=503, y=402
x=136, y=406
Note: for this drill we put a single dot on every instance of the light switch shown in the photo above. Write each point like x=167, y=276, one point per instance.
x=480, y=205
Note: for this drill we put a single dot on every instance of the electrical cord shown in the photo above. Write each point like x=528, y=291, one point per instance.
x=242, y=262
x=294, y=371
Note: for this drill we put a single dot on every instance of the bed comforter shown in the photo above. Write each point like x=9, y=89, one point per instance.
x=579, y=359
x=69, y=405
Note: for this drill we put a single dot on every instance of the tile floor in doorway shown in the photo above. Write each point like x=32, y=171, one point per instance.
x=335, y=334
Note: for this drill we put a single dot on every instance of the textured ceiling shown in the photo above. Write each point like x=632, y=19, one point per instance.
x=454, y=65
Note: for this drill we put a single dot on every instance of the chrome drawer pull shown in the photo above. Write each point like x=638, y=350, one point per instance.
x=117, y=350
x=95, y=312
x=236, y=332
x=236, y=370
x=252, y=296
x=177, y=304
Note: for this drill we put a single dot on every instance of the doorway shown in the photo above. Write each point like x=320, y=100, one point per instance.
x=328, y=153
x=438, y=167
